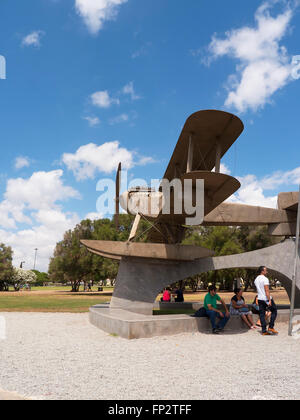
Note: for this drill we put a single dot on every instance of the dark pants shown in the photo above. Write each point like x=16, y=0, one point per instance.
x=212, y=315
x=263, y=308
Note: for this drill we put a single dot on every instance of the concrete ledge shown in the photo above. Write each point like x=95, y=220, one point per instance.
x=131, y=325
x=192, y=305
x=177, y=305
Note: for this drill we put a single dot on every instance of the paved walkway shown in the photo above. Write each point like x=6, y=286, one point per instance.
x=69, y=359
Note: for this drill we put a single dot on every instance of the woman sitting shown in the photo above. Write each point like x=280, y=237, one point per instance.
x=239, y=307
x=166, y=295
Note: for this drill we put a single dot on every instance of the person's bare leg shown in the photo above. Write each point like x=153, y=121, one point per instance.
x=244, y=318
x=250, y=319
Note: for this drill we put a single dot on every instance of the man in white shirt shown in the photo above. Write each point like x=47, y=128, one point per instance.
x=265, y=301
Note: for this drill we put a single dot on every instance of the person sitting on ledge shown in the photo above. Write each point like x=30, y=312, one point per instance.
x=239, y=307
x=179, y=295
x=210, y=305
x=166, y=295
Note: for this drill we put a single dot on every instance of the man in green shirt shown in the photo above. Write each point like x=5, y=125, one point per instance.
x=210, y=305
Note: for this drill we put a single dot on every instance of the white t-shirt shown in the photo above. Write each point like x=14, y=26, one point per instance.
x=260, y=283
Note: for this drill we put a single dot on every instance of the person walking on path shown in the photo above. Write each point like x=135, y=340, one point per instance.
x=255, y=311
x=265, y=301
x=210, y=305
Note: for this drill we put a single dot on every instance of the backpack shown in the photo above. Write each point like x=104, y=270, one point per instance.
x=201, y=313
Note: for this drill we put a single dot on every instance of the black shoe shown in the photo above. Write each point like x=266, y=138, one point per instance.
x=215, y=331
x=220, y=330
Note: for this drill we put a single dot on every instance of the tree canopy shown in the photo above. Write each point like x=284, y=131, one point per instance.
x=21, y=277
x=6, y=267
x=72, y=263
x=226, y=240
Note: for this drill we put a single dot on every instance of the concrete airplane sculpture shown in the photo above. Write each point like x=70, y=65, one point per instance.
x=205, y=138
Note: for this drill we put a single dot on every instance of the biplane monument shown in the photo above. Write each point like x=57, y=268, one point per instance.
x=146, y=268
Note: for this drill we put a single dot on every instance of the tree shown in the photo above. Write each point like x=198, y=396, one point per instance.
x=41, y=278
x=21, y=277
x=72, y=262
x=253, y=238
x=223, y=240
x=6, y=267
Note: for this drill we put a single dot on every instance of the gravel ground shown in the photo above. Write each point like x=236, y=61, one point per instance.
x=62, y=356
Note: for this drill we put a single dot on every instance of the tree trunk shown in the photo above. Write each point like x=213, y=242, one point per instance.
x=75, y=286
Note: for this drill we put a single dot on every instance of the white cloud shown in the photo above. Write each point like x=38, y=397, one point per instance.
x=93, y=121
x=119, y=119
x=102, y=99
x=35, y=202
x=96, y=12
x=40, y=191
x=21, y=162
x=252, y=193
x=91, y=159
x=129, y=90
x=264, y=66
x=94, y=216
x=145, y=161
x=33, y=39
x=141, y=51
x=223, y=169
x=253, y=190
x=43, y=236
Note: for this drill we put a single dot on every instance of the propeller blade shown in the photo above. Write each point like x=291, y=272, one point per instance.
x=118, y=183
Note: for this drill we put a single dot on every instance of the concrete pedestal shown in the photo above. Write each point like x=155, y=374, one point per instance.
x=139, y=281
x=131, y=325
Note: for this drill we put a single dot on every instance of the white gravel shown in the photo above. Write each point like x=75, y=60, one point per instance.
x=62, y=356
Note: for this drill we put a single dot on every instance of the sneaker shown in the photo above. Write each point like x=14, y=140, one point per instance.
x=271, y=330
x=215, y=331
x=267, y=333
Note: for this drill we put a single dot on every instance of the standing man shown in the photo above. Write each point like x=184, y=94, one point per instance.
x=265, y=301
x=210, y=304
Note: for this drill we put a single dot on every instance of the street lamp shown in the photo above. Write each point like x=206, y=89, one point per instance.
x=35, y=255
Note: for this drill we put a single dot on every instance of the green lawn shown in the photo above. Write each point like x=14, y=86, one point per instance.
x=61, y=299
x=62, y=289
x=36, y=302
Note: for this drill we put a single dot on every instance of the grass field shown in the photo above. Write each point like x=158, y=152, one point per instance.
x=49, y=299
x=60, y=299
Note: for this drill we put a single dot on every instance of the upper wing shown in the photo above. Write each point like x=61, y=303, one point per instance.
x=208, y=128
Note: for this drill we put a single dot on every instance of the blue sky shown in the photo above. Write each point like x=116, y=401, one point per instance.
x=92, y=82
